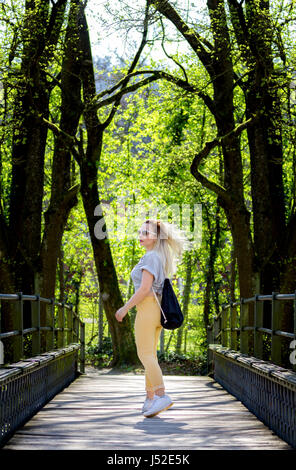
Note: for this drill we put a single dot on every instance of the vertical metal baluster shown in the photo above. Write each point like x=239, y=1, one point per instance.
x=17, y=341
x=60, y=332
x=275, y=325
x=258, y=323
x=35, y=308
x=244, y=309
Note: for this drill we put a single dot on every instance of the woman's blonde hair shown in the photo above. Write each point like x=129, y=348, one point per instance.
x=170, y=244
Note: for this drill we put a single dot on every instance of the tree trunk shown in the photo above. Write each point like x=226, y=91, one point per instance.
x=124, y=348
x=265, y=139
x=28, y=148
x=210, y=269
x=254, y=30
x=63, y=193
x=185, y=300
x=21, y=236
x=218, y=63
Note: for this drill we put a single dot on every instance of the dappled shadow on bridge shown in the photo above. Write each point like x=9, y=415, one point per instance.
x=103, y=411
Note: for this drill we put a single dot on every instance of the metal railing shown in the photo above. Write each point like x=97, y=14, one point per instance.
x=54, y=325
x=244, y=330
x=249, y=354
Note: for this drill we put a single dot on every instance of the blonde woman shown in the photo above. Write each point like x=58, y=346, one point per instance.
x=164, y=244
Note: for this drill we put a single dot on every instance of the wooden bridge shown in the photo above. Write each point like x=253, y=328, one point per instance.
x=247, y=403
x=103, y=411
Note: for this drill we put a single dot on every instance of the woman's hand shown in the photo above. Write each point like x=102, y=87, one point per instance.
x=120, y=314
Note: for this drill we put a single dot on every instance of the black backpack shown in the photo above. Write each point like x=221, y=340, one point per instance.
x=171, y=313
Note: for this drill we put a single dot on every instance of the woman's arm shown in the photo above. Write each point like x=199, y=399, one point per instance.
x=140, y=294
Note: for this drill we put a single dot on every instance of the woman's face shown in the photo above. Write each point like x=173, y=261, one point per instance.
x=147, y=236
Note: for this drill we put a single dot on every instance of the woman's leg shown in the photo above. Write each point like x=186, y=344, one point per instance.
x=147, y=331
x=160, y=391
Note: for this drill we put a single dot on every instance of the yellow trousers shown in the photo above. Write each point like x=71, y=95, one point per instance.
x=147, y=332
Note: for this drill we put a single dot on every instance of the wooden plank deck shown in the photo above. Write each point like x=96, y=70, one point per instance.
x=103, y=411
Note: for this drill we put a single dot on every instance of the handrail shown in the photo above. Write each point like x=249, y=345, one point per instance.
x=60, y=332
x=225, y=330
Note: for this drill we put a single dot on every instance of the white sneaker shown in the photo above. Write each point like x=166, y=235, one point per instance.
x=159, y=404
x=147, y=403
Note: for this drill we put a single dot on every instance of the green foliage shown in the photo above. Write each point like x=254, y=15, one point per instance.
x=100, y=356
x=186, y=364
x=146, y=157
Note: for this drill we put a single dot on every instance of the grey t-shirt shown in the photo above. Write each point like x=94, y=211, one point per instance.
x=152, y=262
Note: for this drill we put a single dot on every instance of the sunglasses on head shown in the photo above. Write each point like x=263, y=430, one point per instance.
x=145, y=232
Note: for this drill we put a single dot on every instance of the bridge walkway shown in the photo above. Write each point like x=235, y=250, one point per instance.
x=102, y=410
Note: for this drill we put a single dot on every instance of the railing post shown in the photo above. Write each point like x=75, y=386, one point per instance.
x=76, y=327
x=294, y=329
x=294, y=365
x=46, y=322
x=70, y=324
x=17, y=341
x=60, y=322
x=295, y=314
x=1, y=353
x=82, y=350
x=275, y=325
x=232, y=324
x=229, y=343
x=52, y=320
x=35, y=309
x=223, y=327
x=258, y=323
x=1, y=344
x=216, y=328
x=244, y=317
x=210, y=340
x=210, y=335
x=222, y=342
x=63, y=325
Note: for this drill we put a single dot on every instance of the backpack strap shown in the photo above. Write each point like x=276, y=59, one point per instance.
x=165, y=320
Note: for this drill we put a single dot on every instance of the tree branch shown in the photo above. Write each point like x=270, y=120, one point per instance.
x=238, y=22
x=219, y=190
x=58, y=131
x=169, y=56
x=155, y=75
x=55, y=11
x=132, y=67
x=191, y=36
